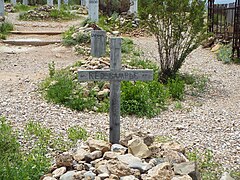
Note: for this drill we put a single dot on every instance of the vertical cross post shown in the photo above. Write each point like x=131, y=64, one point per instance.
x=115, y=86
x=1, y=7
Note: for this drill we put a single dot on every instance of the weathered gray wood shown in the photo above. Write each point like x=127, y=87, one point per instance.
x=98, y=43
x=115, y=75
x=1, y=7
x=14, y=2
x=50, y=2
x=36, y=42
x=83, y=2
x=93, y=10
x=124, y=75
x=134, y=7
x=59, y=4
x=115, y=93
x=38, y=32
x=25, y=2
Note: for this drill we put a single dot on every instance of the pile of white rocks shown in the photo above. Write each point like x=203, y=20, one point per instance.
x=137, y=156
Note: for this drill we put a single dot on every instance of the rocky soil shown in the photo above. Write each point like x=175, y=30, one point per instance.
x=209, y=121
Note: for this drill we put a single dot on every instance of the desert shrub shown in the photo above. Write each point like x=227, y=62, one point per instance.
x=178, y=27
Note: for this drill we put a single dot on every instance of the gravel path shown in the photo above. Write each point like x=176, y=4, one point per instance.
x=207, y=121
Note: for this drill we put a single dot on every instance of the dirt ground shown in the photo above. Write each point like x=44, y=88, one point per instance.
x=210, y=121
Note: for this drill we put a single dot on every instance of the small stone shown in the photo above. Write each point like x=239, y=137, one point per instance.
x=226, y=176
x=92, y=156
x=173, y=146
x=110, y=155
x=138, y=148
x=98, y=145
x=184, y=177
x=102, y=169
x=79, y=155
x=103, y=175
x=64, y=159
x=134, y=162
x=78, y=167
x=216, y=47
x=131, y=177
x=68, y=175
x=49, y=178
x=189, y=168
x=148, y=139
x=118, y=148
x=174, y=156
x=58, y=172
x=115, y=33
x=79, y=175
x=89, y=175
x=118, y=168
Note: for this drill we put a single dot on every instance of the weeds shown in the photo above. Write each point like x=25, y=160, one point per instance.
x=16, y=164
x=5, y=29
x=51, y=69
x=72, y=37
x=209, y=169
x=77, y=133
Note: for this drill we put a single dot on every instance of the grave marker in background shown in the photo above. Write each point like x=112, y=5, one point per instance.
x=83, y=2
x=1, y=7
x=93, y=8
x=59, y=4
x=14, y=2
x=25, y=2
x=134, y=7
x=115, y=75
x=50, y=2
x=98, y=43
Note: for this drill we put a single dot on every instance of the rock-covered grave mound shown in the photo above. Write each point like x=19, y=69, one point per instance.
x=137, y=156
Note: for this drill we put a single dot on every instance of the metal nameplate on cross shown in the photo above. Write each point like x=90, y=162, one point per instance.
x=115, y=75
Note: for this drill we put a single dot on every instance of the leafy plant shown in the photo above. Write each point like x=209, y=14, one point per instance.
x=178, y=105
x=15, y=163
x=209, y=169
x=51, y=69
x=176, y=88
x=225, y=54
x=101, y=136
x=75, y=133
x=5, y=29
x=178, y=27
x=127, y=45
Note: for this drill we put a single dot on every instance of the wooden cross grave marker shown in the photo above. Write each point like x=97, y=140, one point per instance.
x=115, y=75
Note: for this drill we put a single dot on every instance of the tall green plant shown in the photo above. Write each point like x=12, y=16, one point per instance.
x=178, y=27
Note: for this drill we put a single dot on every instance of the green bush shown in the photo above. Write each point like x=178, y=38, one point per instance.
x=5, y=29
x=176, y=88
x=16, y=164
x=225, y=54
x=143, y=99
